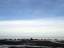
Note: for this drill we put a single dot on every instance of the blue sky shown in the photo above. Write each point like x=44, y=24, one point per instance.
x=30, y=9
x=45, y=18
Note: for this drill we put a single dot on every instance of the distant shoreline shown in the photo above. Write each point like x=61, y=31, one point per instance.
x=37, y=42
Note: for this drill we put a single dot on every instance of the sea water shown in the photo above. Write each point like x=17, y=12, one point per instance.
x=24, y=46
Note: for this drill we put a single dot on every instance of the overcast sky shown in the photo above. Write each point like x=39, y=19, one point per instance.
x=31, y=18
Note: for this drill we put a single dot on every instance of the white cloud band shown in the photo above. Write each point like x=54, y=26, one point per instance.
x=44, y=27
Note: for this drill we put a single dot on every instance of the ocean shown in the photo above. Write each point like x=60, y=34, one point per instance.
x=24, y=46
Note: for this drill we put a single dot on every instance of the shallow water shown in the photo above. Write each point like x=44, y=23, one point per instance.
x=24, y=46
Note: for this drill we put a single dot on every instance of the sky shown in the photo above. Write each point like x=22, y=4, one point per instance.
x=31, y=18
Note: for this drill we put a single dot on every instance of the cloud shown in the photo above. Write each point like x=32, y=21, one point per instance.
x=47, y=17
x=41, y=27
